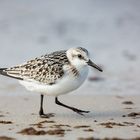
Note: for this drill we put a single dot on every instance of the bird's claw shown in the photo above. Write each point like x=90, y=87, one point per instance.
x=49, y=115
x=80, y=112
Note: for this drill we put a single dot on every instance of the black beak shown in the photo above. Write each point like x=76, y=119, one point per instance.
x=90, y=63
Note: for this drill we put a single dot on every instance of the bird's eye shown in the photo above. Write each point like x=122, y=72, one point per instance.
x=79, y=56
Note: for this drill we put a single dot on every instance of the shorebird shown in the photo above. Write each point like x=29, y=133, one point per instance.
x=54, y=74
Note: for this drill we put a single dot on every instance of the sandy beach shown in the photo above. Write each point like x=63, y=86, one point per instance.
x=110, y=31
x=109, y=117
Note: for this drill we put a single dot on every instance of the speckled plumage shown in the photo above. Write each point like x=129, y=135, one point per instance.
x=45, y=69
x=53, y=74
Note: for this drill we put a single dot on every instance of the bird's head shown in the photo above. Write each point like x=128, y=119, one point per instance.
x=79, y=57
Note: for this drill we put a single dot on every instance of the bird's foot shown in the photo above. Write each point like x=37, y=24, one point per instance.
x=80, y=111
x=43, y=115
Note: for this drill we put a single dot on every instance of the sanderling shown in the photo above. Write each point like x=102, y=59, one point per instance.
x=53, y=74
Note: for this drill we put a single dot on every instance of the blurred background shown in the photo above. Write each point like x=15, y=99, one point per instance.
x=110, y=30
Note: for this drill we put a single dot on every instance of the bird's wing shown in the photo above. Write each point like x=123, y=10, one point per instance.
x=46, y=69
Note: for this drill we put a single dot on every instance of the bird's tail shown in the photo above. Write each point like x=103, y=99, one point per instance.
x=5, y=73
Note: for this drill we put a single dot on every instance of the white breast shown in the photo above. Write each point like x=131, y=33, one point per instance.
x=67, y=84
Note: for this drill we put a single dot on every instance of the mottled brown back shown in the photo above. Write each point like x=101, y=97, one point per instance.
x=46, y=69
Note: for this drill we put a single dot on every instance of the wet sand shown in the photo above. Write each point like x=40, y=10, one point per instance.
x=109, y=117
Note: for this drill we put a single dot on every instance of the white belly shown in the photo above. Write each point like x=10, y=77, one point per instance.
x=67, y=84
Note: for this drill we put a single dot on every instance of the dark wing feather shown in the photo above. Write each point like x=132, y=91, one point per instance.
x=4, y=72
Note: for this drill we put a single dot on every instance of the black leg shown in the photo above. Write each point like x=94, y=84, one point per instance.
x=41, y=112
x=69, y=107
